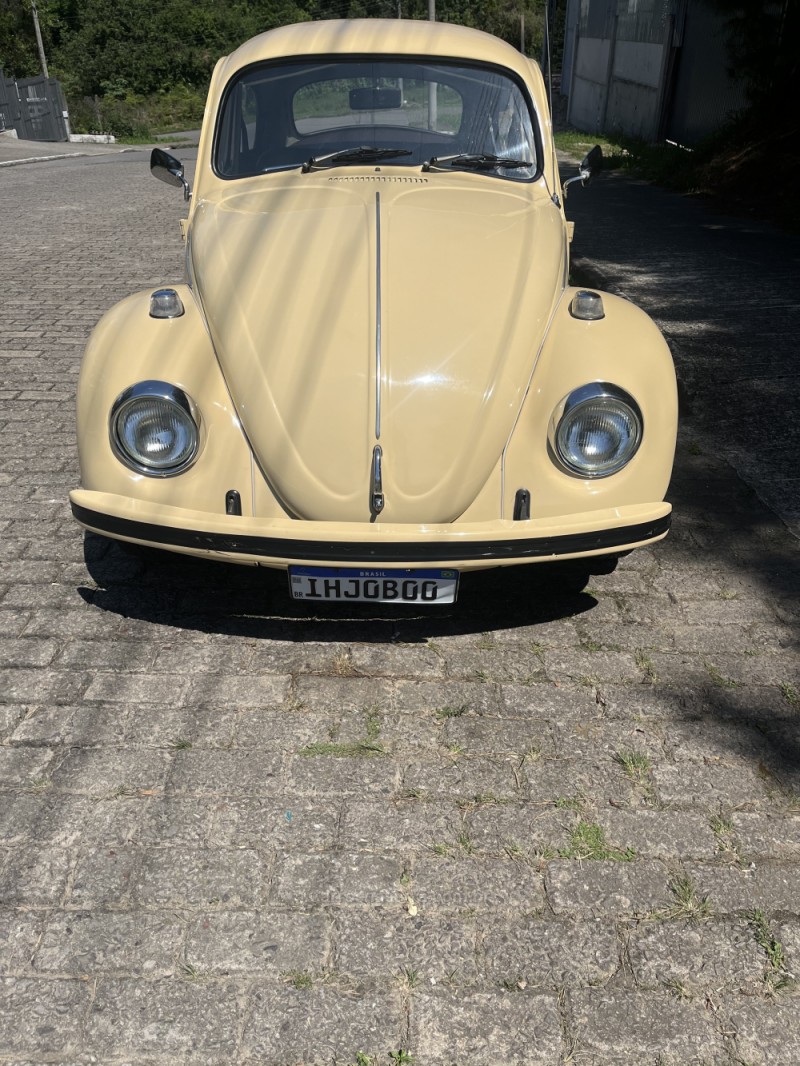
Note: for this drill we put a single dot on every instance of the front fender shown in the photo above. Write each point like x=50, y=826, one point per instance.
x=128, y=346
x=626, y=349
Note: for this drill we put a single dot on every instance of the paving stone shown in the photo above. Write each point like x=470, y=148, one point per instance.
x=334, y=694
x=83, y=726
x=23, y=766
x=180, y=728
x=34, y=875
x=767, y=1033
x=548, y=701
x=769, y=887
x=137, y=688
x=503, y=663
x=105, y=877
x=198, y=877
x=339, y=879
x=762, y=836
x=104, y=772
x=221, y=773
x=587, y=780
x=241, y=690
x=256, y=943
x=383, y=946
x=494, y=736
x=321, y=1025
x=788, y=936
x=465, y=777
x=596, y=736
x=400, y=734
x=282, y=730
x=408, y=825
x=440, y=697
x=27, y=651
x=547, y=953
x=697, y=956
x=485, y=1029
x=93, y=943
x=466, y=884
x=635, y=1028
x=583, y=667
x=534, y=829
x=41, y=1017
x=19, y=933
x=396, y=660
x=108, y=655
x=606, y=887
x=168, y=1017
x=709, y=785
x=283, y=822
x=342, y=775
x=713, y=742
x=50, y=818
x=167, y=820
x=659, y=834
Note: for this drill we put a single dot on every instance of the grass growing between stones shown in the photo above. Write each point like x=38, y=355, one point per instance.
x=299, y=979
x=688, y=905
x=718, y=678
x=724, y=833
x=588, y=841
x=369, y=747
x=452, y=712
x=636, y=765
x=790, y=694
x=776, y=976
x=646, y=665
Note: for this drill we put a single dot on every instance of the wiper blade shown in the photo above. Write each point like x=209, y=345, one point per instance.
x=364, y=154
x=476, y=161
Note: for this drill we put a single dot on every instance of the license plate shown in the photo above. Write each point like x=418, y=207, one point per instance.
x=372, y=586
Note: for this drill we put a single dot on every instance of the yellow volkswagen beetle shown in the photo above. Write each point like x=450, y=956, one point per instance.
x=376, y=375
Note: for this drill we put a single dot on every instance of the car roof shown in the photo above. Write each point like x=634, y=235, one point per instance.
x=375, y=37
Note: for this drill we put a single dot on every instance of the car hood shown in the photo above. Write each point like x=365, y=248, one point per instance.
x=352, y=309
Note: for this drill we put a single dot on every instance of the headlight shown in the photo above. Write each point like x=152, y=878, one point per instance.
x=154, y=429
x=596, y=430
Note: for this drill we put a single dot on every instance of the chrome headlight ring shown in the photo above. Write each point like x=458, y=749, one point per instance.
x=595, y=431
x=154, y=429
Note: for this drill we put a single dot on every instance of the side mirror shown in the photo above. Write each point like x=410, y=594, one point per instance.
x=589, y=165
x=167, y=168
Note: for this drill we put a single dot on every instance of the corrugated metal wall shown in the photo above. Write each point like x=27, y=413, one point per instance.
x=34, y=107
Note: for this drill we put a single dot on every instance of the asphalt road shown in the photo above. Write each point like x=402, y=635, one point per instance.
x=532, y=829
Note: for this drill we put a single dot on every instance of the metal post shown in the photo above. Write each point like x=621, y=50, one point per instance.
x=39, y=38
x=432, y=106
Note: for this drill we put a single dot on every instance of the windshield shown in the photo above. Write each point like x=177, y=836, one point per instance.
x=341, y=112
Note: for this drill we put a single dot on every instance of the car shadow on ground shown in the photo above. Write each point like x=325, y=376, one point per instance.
x=181, y=591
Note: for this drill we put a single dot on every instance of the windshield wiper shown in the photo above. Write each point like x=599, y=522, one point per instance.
x=476, y=161
x=364, y=154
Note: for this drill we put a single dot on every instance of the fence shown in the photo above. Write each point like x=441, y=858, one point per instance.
x=34, y=107
x=650, y=68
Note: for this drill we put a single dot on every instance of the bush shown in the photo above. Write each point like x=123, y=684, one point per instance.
x=131, y=117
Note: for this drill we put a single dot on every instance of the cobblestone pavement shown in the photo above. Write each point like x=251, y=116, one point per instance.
x=533, y=829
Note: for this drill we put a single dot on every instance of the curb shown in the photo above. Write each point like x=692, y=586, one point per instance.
x=62, y=155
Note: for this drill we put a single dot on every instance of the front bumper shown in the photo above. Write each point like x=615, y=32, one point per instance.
x=284, y=542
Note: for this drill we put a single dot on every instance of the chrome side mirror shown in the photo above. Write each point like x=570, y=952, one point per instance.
x=589, y=165
x=167, y=168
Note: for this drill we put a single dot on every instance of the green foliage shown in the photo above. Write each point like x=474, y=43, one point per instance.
x=132, y=116
x=138, y=67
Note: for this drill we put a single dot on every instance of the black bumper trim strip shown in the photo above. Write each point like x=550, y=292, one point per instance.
x=377, y=551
